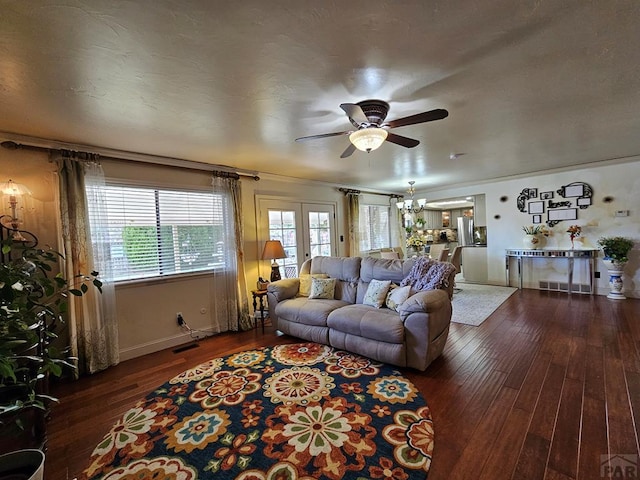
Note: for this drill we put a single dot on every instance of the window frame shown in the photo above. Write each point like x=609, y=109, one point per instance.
x=158, y=187
x=366, y=227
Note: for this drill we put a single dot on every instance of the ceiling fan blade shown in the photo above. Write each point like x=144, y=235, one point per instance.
x=322, y=135
x=400, y=140
x=348, y=151
x=354, y=112
x=437, y=114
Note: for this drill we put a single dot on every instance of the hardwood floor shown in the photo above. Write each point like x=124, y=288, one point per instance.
x=542, y=389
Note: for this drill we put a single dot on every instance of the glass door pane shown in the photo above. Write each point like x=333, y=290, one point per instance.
x=320, y=228
x=305, y=230
x=282, y=226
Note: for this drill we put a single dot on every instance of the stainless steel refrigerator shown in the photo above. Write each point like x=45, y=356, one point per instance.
x=465, y=231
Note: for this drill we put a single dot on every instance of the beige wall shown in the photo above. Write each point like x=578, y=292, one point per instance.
x=38, y=211
x=146, y=310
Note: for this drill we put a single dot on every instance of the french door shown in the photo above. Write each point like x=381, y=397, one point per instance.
x=306, y=230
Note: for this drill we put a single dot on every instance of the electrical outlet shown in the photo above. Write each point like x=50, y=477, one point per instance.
x=179, y=318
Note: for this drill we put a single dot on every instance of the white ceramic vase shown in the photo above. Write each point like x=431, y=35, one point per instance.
x=616, y=285
x=531, y=242
x=27, y=464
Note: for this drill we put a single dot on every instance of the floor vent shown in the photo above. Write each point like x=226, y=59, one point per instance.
x=564, y=287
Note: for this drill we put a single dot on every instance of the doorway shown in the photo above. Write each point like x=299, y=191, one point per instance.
x=306, y=230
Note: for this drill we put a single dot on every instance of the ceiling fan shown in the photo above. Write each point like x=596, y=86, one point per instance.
x=371, y=129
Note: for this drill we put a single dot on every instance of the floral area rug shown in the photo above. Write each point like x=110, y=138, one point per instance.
x=300, y=411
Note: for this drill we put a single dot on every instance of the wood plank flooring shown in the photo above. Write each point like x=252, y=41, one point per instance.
x=541, y=390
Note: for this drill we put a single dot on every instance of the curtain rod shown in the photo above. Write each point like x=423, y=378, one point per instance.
x=112, y=154
x=347, y=191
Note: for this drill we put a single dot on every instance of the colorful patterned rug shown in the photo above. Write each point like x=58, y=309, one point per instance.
x=302, y=411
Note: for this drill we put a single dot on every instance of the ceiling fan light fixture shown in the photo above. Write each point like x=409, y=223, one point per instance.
x=368, y=139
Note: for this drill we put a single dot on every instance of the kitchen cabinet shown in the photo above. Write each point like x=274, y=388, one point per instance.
x=480, y=211
x=432, y=219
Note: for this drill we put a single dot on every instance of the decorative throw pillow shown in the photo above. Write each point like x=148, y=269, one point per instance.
x=322, y=288
x=397, y=297
x=305, y=283
x=376, y=293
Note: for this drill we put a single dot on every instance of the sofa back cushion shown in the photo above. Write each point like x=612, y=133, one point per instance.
x=346, y=271
x=385, y=269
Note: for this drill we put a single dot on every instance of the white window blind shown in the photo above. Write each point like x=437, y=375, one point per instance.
x=374, y=227
x=156, y=232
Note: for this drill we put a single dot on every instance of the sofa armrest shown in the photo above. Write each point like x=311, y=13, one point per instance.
x=283, y=289
x=426, y=317
x=425, y=301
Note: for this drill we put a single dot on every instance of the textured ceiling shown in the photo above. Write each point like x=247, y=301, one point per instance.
x=529, y=85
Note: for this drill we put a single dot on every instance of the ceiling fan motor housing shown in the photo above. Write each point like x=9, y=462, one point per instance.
x=375, y=111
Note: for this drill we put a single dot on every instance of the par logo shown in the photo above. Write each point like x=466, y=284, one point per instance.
x=619, y=466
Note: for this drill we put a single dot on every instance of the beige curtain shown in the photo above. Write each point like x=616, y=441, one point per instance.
x=232, y=282
x=92, y=325
x=353, y=218
x=402, y=234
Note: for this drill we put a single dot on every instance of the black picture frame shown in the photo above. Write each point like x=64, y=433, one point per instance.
x=546, y=195
x=537, y=219
x=536, y=207
x=561, y=214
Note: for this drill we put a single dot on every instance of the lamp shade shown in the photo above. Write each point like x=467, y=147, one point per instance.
x=368, y=139
x=14, y=189
x=272, y=250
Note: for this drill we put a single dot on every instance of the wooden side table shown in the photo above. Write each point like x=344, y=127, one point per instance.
x=259, y=295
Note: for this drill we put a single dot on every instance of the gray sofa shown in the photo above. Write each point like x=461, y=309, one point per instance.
x=412, y=337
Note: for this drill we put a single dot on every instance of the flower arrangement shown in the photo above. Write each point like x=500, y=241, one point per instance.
x=574, y=231
x=534, y=230
x=416, y=241
x=616, y=248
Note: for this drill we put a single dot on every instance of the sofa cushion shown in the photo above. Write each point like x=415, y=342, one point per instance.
x=346, y=271
x=397, y=296
x=322, y=288
x=307, y=311
x=368, y=322
x=376, y=293
x=385, y=269
x=305, y=283
x=342, y=268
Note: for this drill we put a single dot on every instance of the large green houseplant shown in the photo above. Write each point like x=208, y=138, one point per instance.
x=33, y=303
x=616, y=249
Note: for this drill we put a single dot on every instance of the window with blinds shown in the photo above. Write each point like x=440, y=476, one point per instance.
x=153, y=232
x=375, y=230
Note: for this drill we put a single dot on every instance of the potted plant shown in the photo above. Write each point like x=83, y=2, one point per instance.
x=616, y=249
x=616, y=255
x=33, y=303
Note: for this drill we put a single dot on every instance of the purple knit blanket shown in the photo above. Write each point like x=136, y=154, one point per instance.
x=427, y=274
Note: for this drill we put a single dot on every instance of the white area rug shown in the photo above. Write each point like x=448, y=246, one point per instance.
x=474, y=303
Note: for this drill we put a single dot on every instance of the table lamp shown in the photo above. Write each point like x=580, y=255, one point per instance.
x=272, y=251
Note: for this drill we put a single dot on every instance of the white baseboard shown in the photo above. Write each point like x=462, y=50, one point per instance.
x=163, y=344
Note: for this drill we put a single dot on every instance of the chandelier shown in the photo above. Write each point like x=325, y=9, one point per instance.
x=411, y=206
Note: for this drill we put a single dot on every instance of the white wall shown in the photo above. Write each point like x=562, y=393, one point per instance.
x=620, y=181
